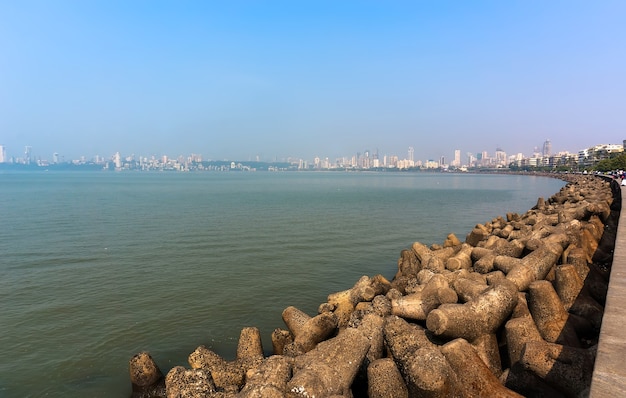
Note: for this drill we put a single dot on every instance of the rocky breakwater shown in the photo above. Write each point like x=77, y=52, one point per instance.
x=514, y=310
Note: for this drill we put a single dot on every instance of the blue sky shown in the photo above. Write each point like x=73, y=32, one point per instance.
x=240, y=79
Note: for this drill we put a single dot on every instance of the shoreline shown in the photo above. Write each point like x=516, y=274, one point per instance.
x=483, y=298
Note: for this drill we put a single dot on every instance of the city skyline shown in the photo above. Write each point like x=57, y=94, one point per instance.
x=285, y=79
x=456, y=159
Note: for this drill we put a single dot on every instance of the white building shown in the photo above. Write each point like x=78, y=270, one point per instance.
x=590, y=156
x=457, y=158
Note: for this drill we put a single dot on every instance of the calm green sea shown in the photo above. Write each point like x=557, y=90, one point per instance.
x=97, y=266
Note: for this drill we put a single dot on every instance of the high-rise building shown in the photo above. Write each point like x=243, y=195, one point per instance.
x=117, y=160
x=471, y=159
x=547, y=148
x=411, y=154
x=500, y=157
x=27, y=150
x=366, y=160
x=457, y=158
x=3, y=154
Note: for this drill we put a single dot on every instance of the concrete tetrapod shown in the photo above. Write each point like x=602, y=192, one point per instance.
x=294, y=319
x=385, y=381
x=488, y=349
x=230, y=375
x=418, y=305
x=427, y=258
x=189, y=383
x=474, y=379
x=145, y=376
x=550, y=315
x=307, y=331
x=518, y=332
x=269, y=380
x=365, y=289
x=535, y=266
x=483, y=315
x=422, y=365
x=249, y=346
x=330, y=368
x=462, y=259
x=575, y=299
x=468, y=289
x=567, y=368
x=227, y=375
x=280, y=339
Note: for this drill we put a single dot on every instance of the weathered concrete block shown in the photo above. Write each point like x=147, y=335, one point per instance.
x=427, y=258
x=224, y=373
x=403, y=338
x=330, y=368
x=576, y=300
x=428, y=374
x=189, y=383
x=418, y=305
x=568, y=369
x=462, y=259
x=468, y=289
x=483, y=315
x=280, y=339
x=474, y=378
x=408, y=264
x=479, y=233
x=518, y=332
x=365, y=289
x=250, y=347
x=488, y=349
x=525, y=382
x=269, y=379
x=315, y=330
x=385, y=381
x=550, y=315
x=294, y=319
x=535, y=266
x=451, y=241
x=145, y=376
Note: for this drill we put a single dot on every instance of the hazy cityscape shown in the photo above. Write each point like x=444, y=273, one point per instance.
x=542, y=156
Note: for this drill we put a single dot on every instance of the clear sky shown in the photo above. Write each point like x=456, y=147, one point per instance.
x=237, y=79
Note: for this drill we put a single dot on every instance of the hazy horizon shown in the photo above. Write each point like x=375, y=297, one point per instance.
x=237, y=80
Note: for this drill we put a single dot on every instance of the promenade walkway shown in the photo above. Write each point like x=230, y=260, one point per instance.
x=609, y=375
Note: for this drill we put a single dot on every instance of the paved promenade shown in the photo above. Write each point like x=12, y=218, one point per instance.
x=609, y=375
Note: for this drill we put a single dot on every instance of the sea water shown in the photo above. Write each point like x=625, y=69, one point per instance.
x=97, y=266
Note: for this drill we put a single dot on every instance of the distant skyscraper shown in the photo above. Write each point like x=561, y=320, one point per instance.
x=457, y=158
x=547, y=148
x=3, y=154
x=500, y=157
x=27, y=150
x=117, y=160
x=366, y=160
x=411, y=153
x=471, y=159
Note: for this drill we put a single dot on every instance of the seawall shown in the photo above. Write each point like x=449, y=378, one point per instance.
x=609, y=375
x=516, y=309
